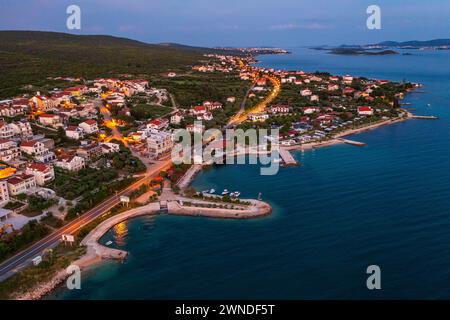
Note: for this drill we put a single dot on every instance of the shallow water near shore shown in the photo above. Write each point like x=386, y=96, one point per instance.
x=343, y=209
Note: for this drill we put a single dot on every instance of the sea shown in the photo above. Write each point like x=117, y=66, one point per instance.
x=344, y=209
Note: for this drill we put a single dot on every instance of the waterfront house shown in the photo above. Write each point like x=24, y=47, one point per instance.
x=365, y=111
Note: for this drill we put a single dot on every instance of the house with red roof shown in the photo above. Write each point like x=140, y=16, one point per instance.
x=43, y=173
x=70, y=162
x=157, y=124
x=89, y=126
x=51, y=120
x=21, y=183
x=74, y=132
x=365, y=111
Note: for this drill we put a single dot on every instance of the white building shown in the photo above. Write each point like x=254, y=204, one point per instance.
x=21, y=128
x=89, y=126
x=159, y=143
x=176, y=118
x=9, y=150
x=305, y=92
x=70, y=162
x=5, y=131
x=51, y=120
x=33, y=147
x=74, y=132
x=43, y=173
x=108, y=147
x=4, y=194
x=258, y=116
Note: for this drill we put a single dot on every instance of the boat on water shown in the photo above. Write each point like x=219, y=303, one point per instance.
x=212, y=191
x=225, y=192
x=235, y=194
x=109, y=243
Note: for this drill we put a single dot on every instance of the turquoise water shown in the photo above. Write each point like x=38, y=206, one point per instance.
x=345, y=208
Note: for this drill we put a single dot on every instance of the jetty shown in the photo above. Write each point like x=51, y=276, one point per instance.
x=425, y=117
x=287, y=158
x=352, y=142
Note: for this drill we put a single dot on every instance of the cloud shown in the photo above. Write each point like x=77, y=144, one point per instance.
x=292, y=26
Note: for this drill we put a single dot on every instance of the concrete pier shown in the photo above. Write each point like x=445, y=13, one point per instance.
x=287, y=157
x=352, y=142
x=425, y=117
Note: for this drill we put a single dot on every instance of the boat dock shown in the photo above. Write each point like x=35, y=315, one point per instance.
x=352, y=142
x=425, y=117
x=287, y=157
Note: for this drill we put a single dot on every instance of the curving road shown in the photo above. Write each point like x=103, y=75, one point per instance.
x=23, y=258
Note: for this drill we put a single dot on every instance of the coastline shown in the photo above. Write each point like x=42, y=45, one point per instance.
x=335, y=139
x=96, y=253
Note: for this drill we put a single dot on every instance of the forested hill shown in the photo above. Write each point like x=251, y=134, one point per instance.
x=29, y=56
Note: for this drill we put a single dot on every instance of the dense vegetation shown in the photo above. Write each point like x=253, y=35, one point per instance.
x=12, y=243
x=195, y=87
x=29, y=57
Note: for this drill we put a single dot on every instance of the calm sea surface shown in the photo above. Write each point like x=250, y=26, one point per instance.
x=344, y=209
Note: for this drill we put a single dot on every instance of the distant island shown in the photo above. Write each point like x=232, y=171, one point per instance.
x=354, y=51
x=439, y=44
x=345, y=50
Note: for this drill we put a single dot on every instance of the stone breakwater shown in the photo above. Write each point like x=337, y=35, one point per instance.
x=96, y=253
x=256, y=209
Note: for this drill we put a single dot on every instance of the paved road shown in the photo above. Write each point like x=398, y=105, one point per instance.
x=23, y=258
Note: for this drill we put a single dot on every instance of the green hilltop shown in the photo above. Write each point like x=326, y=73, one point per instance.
x=28, y=57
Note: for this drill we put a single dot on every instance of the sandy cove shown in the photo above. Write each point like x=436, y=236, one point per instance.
x=96, y=253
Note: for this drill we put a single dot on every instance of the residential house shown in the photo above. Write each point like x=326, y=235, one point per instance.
x=5, y=130
x=89, y=126
x=365, y=111
x=74, y=132
x=33, y=147
x=310, y=110
x=195, y=128
x=108, y=147
x=9, y=150
x=43, y=173
x=258, y=116
x=21, y=184
x=4, y=196
x=51, y=120
x=305, y=92
x=89, y=151
x=157, y=124
x=347, y=79
x=70, y=162
x=21, y=128
x=176, y=118
x=159, y=143
x=279, y=108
